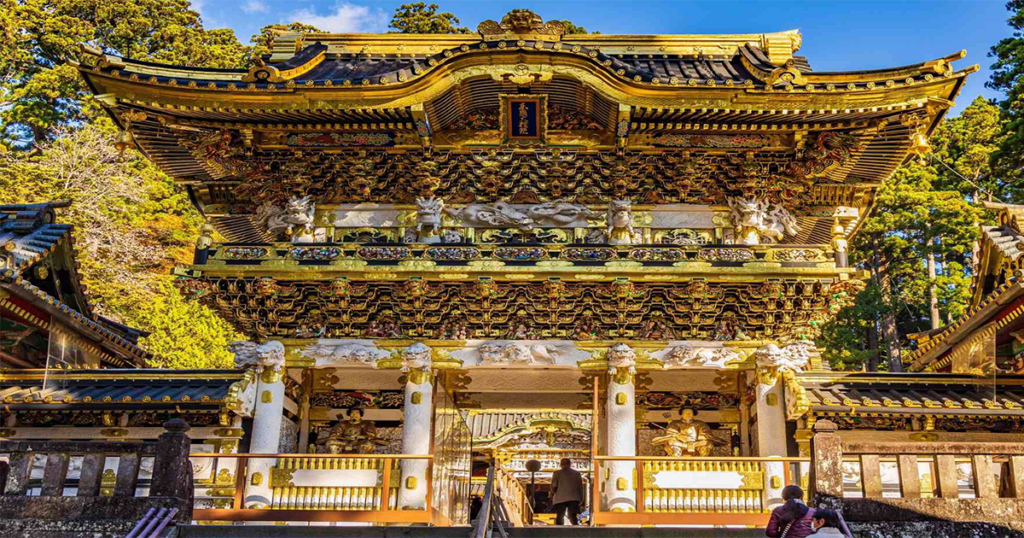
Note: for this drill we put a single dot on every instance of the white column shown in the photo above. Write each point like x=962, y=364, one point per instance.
x=416, y=425
x=266, y=437
x=620, y=408
x=772, y=362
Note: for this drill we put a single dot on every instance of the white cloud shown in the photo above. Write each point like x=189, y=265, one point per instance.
x=255, y=6
x=345, y=18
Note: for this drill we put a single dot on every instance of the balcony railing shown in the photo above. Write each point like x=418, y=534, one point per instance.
x=689, y=491
x=327, y=487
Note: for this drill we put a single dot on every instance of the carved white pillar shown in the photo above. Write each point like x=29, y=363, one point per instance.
x=268, y=359
x=416, y=425
x=771, y=410
x=266, y=437
x=620, y=408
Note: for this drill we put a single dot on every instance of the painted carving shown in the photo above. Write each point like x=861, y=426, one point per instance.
x=502, y=214
x=699, y=357
x=499, y=214
x=756, y=221
x=345, y=353
x=294, y=221
x=686, y=436
x=772, y=361
x=353, y=436
x=621, y=363
x=515, y=353
x=267, y=358
x=428, y=219
x=620, y=222
x=416, y=357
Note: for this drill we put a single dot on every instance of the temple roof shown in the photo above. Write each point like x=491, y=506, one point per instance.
x=935, y=394
x=40, y=277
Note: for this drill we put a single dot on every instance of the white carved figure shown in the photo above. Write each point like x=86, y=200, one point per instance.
x=268, y=356
x=327, y=354
x=500, y=214
x=701, y=357
x=428, y=219
x=620, y=222
x=512, y=353
x=621, y=356
x=294, y=220
x=416, y=357
x=791, y=358
x=755, y=221
x=560, y=213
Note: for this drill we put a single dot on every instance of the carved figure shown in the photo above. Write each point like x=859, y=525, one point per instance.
x=261, y=356
x=428, y=219
x=335, y=354
x=353, y=436
x=702, y=357
x=416, y=357
x=621, y=356
x=500, y=353
x=500, y=214
x=294, y=221
x=620, y=222
x=772, y=361
x=686, y=436
x=559, y=213
x=753, y=221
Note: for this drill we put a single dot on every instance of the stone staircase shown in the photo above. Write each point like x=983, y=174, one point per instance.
x=275, y=531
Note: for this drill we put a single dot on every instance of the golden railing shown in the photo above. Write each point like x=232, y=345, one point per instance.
x=515, y=498
x=691, y=491
x=376, y=503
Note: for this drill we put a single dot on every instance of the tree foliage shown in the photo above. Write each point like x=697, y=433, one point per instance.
x=131, y=225
x=421, y=18
x=921, y=211
x=1008, y=77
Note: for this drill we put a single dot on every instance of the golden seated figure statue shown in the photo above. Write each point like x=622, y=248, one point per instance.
x=352, y=436
x=686, y=436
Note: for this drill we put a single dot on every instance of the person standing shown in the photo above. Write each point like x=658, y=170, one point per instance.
x=567, y=490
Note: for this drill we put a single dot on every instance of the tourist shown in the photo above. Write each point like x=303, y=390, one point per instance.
x=567, y=488
x=829, y=523
x=793, y=519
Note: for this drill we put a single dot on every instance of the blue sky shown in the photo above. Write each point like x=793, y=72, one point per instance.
x=838, y=35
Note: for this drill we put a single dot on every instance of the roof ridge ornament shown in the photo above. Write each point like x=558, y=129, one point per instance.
x=521, y=22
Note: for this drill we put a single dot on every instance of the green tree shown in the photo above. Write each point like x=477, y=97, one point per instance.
x=1008, y=77
x=572, y=29
x=263, y=42
x=912, y=221
x=40, y=91
x=131, y=225
x=420, y=18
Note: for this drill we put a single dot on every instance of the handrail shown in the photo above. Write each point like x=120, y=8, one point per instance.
x=484, y=516
x=318, y=456
x=769, y=459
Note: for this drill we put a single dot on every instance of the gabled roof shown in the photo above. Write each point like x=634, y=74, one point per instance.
x=39, y=272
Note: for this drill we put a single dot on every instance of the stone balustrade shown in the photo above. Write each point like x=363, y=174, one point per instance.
x=59, y=506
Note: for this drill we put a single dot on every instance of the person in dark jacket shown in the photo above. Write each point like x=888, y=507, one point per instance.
x=793, y=519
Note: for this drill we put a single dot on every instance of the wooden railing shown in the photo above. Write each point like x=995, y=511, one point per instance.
x=689, y=491
x=515, y=498
x=326, y=487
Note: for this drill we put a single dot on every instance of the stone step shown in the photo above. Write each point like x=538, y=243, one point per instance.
x=276, y=531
